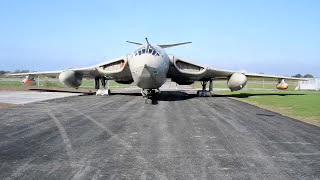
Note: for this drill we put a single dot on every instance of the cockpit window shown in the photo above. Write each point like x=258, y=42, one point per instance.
x=154, y=52
x=149, y=51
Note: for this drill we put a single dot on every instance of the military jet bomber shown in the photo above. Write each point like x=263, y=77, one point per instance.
x=148, y=67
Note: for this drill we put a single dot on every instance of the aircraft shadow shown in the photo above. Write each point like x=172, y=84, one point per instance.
x=164, y=96
x=172, y=95
x=180, y=96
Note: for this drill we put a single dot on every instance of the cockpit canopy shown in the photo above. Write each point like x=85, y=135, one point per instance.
x=145, y=50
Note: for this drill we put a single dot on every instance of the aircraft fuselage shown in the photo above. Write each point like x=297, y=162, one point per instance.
x=149, y=66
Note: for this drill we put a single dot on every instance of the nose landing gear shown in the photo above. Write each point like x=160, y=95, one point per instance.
x=204, y=92
x=152, y=94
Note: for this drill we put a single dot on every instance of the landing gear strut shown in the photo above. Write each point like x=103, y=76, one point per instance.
x=150, y=94
x=204, y=92
x=103, y=90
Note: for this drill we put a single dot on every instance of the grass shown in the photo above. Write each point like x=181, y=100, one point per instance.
x=11, y=83
x=112, y=84
x=291, y=103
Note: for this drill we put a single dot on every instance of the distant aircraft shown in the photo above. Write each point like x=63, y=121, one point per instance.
x=148, y=67
x=29, y=82
x=282, y=85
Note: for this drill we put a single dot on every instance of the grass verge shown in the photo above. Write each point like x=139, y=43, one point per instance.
x=302, y=105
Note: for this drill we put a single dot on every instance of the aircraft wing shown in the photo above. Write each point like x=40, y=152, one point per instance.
x=45, y=73
x=186, y=72
x=85, y=72
x=116, y=69
x=225, y=74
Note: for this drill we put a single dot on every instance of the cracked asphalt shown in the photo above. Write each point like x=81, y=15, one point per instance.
x=177, y=137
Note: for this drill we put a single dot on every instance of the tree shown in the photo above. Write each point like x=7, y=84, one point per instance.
x=3, y=72
x=297, y=76
x=308, y=76
x=21, y=71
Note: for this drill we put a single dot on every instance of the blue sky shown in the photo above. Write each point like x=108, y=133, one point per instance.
x=275, y=37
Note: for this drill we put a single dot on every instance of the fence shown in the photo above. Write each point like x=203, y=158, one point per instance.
x=254, y=84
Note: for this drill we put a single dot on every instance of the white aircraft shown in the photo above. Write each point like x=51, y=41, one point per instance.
x=148, y=67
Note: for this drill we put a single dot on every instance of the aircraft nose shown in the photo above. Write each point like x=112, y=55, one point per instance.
x=143, y=73
x=146, y=77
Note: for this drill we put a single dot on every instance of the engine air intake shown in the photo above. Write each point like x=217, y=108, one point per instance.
x=188, y=66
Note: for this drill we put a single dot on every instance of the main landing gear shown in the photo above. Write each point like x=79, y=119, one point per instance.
x=103, y=90
x=204, y=92
x=152, y=94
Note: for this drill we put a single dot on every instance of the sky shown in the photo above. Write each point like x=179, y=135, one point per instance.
x=278, y=37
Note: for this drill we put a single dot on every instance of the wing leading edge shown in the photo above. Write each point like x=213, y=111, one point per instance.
x=187, y=71
x=116, y=69
x=85, y=72
x=225, y=74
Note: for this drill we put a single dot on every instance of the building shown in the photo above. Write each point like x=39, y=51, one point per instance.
x=312, y=84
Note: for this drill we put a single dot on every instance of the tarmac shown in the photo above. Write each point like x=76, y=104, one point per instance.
x=24, y=97
x=178, y=136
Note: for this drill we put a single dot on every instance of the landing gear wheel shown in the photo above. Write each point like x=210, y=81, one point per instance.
x=152, y=94
x=202, y=93
x=103, y=92
x=199, y=93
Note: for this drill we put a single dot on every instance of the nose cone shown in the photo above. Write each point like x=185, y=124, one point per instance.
x=147, y=77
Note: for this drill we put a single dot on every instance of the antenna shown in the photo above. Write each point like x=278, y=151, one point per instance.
x=149, y=45
x=147, y=41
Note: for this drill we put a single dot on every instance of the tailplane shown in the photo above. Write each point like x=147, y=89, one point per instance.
x=136, y=43
x=172, y=45
x=161, y=45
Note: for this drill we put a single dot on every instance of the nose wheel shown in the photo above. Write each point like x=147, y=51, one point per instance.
x=151, y=94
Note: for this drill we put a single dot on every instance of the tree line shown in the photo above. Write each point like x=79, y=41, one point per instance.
x=305, y=76
x=2, y=72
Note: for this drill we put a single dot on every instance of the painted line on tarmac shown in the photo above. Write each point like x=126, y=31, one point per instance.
x=66, y=140
x=126, y=144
